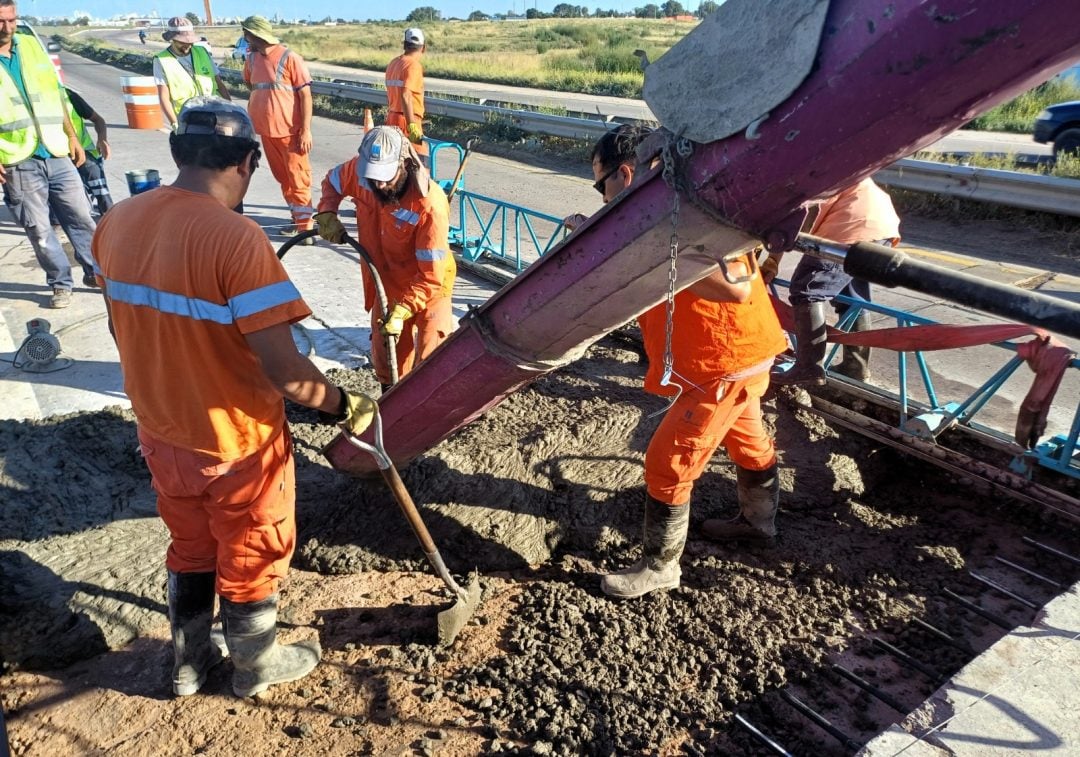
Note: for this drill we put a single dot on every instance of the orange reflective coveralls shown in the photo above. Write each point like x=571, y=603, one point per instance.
x=405, y=79
x=275, y=111
x=722, y=353
x=185, y=279
x=409, y=244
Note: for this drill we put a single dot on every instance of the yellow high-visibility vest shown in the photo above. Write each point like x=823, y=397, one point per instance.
x=24, y=125
x=182, y=85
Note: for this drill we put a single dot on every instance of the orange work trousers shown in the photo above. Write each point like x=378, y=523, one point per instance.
x=293, y=172
x=422, y=333
x=236, y=518
x=720, y=412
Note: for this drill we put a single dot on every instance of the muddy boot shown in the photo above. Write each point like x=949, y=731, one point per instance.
x=260, y=662
x=191, y=610
x=856, y=362
x=809, y=368
x=759, y=497
x=658, y=568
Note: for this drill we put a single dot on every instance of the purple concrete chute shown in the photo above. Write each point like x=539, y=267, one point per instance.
x=889, y=79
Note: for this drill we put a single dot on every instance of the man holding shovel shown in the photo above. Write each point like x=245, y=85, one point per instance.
x=403, y=221
x=200, y=309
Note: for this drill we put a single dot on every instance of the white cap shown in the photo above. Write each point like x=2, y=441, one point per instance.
x=381, y=152
x=414, y=36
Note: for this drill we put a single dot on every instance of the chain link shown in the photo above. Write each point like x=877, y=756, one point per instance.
x=684, y=148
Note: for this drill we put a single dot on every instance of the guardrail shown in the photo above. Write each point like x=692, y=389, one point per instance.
x=1019, y=190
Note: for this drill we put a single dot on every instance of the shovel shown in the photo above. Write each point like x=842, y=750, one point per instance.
x=466, y=600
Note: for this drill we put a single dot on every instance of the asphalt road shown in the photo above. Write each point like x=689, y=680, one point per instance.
x=338, y=334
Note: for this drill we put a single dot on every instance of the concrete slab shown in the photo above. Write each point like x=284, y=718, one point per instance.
x=1017, y=697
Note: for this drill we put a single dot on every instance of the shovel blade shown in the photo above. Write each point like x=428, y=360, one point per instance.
x=453, y=619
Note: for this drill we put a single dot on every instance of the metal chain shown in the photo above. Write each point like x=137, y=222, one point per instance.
x=684, y=148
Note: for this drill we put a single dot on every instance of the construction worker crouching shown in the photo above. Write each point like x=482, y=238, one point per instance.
x=724, y=337
x=403, y=221
x=200, y=308
x=184, y=70
x=280, y=107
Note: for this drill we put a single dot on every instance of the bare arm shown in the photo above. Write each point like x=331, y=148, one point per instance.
x=78, y=154
x=294, y=375
x=406, y=107
x=166, y=104
x=223, y=91
x=717, y=288
x=101, y=129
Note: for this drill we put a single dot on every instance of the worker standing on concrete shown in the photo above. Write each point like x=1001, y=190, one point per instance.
x=39, y=153
x=724, y=338
x=280, y=108
x=200, y=309
x=97, y=150
x=405, y=91
x=184, y=70
x=862, y=212
x=403, y=220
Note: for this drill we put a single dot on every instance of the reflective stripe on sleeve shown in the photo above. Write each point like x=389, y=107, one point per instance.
x=432, y=255
x=263, y=298
x=335, y=177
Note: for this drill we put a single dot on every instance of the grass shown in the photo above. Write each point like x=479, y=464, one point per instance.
x=1018, y=115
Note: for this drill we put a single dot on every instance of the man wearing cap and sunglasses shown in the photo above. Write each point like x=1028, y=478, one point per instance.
x=405, y=91
x=200, y=308
x=403, y=221
x=184, y=70
x=280, y=107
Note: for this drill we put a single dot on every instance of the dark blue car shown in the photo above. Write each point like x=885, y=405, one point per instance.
x=1060, y=125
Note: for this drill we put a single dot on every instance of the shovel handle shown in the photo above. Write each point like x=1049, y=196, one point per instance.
x=408, y=507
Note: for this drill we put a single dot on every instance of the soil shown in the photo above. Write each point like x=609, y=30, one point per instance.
x=540, y=496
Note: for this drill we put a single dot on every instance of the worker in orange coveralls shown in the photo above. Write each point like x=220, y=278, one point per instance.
x=403, y=221
x=405, y=91
x=724, y=339
x=200, y=310
x=280, y=108
x=862, y=212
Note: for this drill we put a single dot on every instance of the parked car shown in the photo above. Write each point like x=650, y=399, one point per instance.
x=52, y=47
x=1059, y=125
x=240, y=49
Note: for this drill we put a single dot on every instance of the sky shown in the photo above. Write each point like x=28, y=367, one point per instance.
x=312, y=9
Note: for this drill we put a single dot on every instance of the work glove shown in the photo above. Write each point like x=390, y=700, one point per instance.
x=769, y=268
x=357, y=412
x=416, y=133
x=330, y=226
x=393, y=323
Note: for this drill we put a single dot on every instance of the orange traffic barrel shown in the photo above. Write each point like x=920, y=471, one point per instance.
x=141, y=102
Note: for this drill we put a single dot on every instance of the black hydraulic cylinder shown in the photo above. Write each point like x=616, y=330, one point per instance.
x=892, y=268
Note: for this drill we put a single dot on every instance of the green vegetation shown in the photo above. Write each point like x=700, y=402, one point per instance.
x=1018, y=114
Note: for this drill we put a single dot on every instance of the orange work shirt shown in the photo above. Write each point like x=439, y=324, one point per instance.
x=186, y=279
x=711, y=340
x=405, y=79
x=861, y=213
x=408, y=242
x=275, y=78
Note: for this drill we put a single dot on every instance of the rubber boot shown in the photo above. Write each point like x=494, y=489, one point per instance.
x=663, y=541
x=809, y=368
x=259, y=661
x=856, y=362
x=191, y=612
x=759, y=498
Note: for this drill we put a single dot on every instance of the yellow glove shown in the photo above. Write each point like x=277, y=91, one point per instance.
x=769, y=268
x=395, y=321
x=330, y=226
x=416, y=133
x=358, y=412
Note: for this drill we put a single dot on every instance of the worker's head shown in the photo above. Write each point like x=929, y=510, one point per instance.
x=216, y=138
x=414, y=40
x=259, y=33
x=180, y=34
x=386, y=162
x=8, y=18
x=614, y=158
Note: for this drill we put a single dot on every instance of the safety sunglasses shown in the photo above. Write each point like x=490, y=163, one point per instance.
x=599, y=184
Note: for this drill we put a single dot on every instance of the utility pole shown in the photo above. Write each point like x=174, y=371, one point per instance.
x=209, y=13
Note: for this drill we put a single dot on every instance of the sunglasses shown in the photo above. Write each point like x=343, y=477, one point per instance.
x=600, y=183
